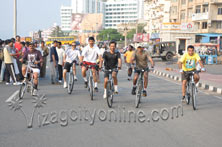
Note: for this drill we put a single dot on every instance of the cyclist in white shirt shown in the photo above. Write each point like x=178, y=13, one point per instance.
x=90, y=53
x=70, y=58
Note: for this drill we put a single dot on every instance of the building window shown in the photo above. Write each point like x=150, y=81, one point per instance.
x=182, y=15
x=183, y=2
x=205, y=8
x=219, y=24
x=219, y=11
x=190, y=12
x=197, y=9
x=204, y=25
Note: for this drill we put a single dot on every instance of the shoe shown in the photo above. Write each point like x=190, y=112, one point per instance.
x=129, y=78
x=105, y=95
x=7, y=83
x=75, y=78
x=60, y=81
x=144, y=93
x=86, y=84
x=96, y=89
x=16, y=83
x=34, y=92
x=134, y=91
x=65, y=85
x=116, y=92
x=183, y=99
x=52, y=83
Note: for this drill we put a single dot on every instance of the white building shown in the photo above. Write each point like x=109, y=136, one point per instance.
x=88, y=6
x=123, y=11
x=79, y=6
x=66, y=18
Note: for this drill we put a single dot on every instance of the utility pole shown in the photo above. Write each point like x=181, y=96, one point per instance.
x=125, y=33
x=15, y=18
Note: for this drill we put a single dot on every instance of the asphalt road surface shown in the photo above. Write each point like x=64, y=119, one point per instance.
x=74, y=120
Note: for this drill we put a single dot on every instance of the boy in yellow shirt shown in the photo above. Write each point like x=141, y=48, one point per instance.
x=127, y=59
x=187, y=63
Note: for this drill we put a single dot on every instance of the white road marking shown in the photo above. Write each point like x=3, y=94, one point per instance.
x=12, y=96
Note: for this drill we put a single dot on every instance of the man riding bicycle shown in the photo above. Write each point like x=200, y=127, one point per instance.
x=35, y=60
x=70, y=60
x=127, y=59
x=141, y=57
x=187, y=63
x=112, y=60
x=88, y=58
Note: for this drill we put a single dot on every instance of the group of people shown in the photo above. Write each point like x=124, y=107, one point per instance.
x=16, y=56
x=11, y=52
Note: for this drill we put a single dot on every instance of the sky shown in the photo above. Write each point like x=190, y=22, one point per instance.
x=32, y=15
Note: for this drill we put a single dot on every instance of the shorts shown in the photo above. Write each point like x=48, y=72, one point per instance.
x=106, y=73
x=68, y=65
x=129, y=65
x=137, y=70
x=186, y=76
x=94, y=65
x=35, y=70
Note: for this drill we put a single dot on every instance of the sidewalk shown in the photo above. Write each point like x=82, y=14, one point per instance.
x=210, y=80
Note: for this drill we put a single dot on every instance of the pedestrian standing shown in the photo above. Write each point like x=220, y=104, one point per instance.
x=61, y=53
x=8, y=59
x=45, y=53
x=54, y=63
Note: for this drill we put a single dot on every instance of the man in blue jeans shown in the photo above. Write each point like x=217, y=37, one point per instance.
x=54, y=63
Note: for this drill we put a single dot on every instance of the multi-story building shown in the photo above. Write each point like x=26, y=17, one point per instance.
x=188, y=21
x=82, y=7
x=156, y=13
x=66, y=18
x=123, y=11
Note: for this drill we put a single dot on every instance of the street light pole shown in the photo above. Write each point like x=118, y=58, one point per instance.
x=15, y=18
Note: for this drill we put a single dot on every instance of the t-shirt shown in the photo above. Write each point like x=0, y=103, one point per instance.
x=32, y=57
x=91, y=54
x=111, y=60
x=128, y=56
x=7, y=57
x=18, y=48
x=72, y=55
x=189, y=62
x=53, y=52
x=141, y=59
x=61, y=53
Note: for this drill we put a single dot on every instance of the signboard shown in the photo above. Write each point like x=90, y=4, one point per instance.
x=141, y=37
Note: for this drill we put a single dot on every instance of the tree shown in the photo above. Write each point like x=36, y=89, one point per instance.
x=57, y=32
x=110, y=34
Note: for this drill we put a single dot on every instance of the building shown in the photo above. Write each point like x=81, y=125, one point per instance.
x=189, y=21
x=66, y=18
x=156, y=13
x=79, y=7
x=88, y=6
x=123, y=11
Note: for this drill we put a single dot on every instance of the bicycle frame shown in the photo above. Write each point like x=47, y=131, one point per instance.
x=191, y=88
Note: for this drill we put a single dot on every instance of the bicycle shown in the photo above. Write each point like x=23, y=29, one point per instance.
x=90, y=80
x=27, y=83
x=110, y=87
x=71, y=80
x=191, y=89
x=140, y=86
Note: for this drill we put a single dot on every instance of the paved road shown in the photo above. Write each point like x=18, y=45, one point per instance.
x=194, y=128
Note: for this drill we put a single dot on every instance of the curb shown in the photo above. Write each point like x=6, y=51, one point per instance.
x=201, y=85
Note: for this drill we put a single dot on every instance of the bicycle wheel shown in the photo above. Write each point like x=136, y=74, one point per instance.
x=188, y=91
x=138, y=93
x=22, y=90
x=71, y=83
x=193, y=96
x=91, y=87
x=109, y=94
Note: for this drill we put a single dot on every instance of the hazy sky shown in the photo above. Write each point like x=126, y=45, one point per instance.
x=32, y=15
